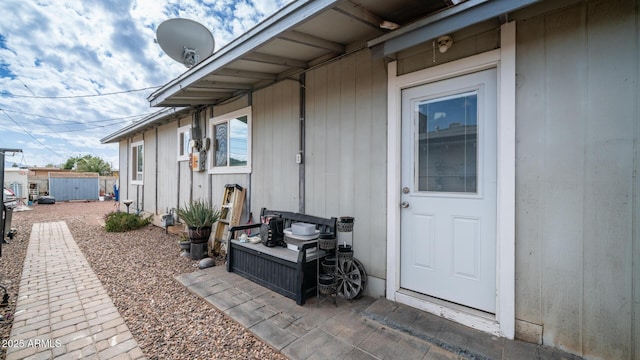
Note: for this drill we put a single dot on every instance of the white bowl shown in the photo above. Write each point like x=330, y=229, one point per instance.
x=303, y=229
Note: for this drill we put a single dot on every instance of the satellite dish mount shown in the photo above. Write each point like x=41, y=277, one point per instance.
x=190, y=57
x=185, y=41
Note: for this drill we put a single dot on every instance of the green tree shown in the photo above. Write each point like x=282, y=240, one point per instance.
x=88, y=163
x=71, y=163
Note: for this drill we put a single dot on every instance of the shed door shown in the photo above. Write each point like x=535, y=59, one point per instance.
x=448, y=220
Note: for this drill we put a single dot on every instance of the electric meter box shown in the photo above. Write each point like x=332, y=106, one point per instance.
x=199, y=160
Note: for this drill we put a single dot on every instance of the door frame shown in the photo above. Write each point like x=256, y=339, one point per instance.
x=504, y=60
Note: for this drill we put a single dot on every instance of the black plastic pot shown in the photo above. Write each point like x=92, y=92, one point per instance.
x=344, y=248
x=199, y=235
x=326, y=279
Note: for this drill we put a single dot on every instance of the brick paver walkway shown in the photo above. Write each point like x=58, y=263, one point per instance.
x=63, y=311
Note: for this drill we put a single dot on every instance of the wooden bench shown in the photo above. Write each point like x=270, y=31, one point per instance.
x=287, y=272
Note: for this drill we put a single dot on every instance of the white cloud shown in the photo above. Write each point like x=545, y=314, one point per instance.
x=76, y=48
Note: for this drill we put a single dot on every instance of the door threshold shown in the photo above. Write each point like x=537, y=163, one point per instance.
x=470, y=317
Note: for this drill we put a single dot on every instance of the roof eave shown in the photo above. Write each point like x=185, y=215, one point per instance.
x=293, y=14
x=138, y=126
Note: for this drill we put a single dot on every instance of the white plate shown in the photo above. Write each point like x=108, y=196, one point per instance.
x=288, y=232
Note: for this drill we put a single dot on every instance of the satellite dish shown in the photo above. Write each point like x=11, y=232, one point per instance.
x=184, y=40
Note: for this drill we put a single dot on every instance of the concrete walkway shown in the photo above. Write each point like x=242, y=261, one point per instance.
x=366, y=328
x=63, y=311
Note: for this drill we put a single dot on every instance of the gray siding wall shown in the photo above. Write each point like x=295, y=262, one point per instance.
x=276, y=128
x=346, y=151
x=577, y=192
x=273, y=182
x=577, y=202
x=577, y=271
x=469, y=41
x=166, y=177
x=214, y=184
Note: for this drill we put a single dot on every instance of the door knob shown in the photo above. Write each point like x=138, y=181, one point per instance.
x=404, y=204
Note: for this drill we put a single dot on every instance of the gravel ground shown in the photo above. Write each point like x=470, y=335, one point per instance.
x=137, y=269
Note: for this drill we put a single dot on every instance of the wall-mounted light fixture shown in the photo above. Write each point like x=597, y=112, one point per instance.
x=444, y=43
x=388, y=25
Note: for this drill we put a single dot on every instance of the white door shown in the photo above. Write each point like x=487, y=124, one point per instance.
x=448, y=217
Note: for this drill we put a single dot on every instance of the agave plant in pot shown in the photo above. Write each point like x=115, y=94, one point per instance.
x=199, y=218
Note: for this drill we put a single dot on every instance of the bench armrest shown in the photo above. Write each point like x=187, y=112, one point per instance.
x=233, y=229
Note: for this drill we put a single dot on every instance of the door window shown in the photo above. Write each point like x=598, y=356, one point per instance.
x=447, y=144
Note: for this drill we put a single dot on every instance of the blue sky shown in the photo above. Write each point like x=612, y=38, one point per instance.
x=72, y=72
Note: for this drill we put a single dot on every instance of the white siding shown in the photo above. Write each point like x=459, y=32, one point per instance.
x=132, y=192
x=123, y=183
x=183, y=176
x=150, y=175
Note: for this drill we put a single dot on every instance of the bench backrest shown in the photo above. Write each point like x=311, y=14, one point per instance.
x=322, y=224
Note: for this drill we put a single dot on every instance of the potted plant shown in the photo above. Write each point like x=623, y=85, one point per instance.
x=199, y=217
x=184, y=242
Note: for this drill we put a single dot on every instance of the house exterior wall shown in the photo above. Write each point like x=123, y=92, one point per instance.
x=346, y=154
x=273, y=183
x=472, y=40
x=151, y=147
x=123, y=181
x=211, y=186
x=577, y=123
x=129, y=191
x=577, y=193
x=168, y=175
x=577, y=126
x=183, y=176
x=276, y=127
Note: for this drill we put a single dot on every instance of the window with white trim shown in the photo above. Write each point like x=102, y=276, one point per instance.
x=231, y=142
x=184, y=137
x=137, y=162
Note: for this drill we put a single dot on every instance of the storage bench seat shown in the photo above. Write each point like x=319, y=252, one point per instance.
x=287, y=272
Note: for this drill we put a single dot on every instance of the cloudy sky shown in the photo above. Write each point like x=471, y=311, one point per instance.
x=74, y=71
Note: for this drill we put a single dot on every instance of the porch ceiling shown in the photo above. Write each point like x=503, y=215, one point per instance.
x=304, y=34
x=307, y=33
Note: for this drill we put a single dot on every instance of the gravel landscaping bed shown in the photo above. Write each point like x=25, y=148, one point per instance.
x=137, y=268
